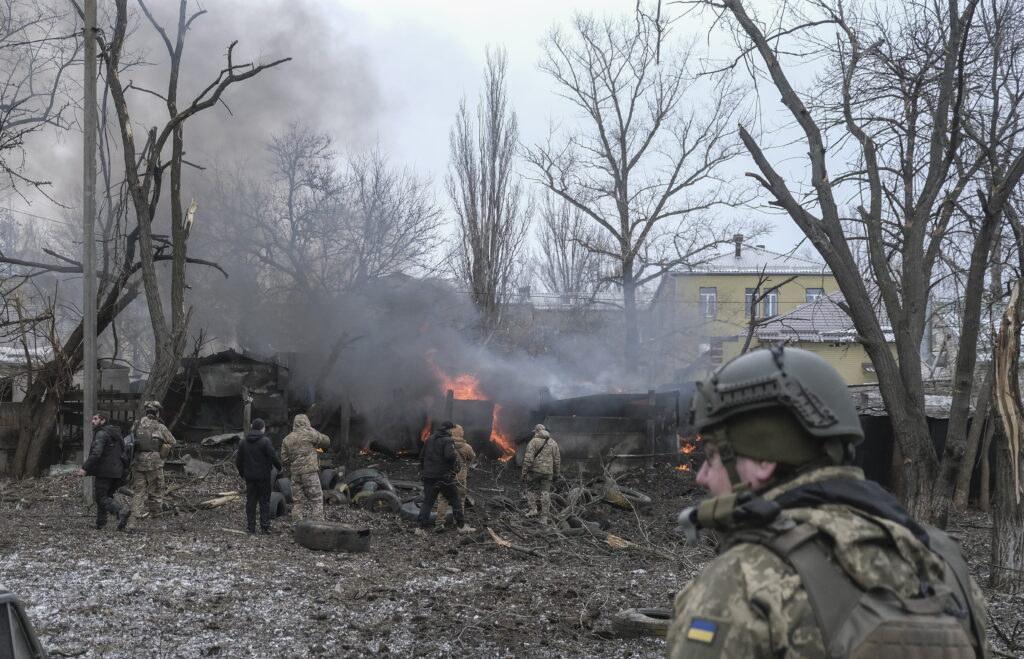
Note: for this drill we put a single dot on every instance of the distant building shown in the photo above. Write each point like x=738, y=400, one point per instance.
x=700, y=315
x=824, y=328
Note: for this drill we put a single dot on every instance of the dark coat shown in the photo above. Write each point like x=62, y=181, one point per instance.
x=256, y=456
x=438, y=458
x=105, y=453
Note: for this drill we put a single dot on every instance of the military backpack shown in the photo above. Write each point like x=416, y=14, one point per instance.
x=940, y=621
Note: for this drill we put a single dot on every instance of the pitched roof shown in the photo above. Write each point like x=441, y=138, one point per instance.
x=754, y=259
x=820, y=321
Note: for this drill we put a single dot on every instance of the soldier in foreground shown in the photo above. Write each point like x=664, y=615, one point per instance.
x=298, y=453
x=153, y=442
x=815, y=561
x=542, y=463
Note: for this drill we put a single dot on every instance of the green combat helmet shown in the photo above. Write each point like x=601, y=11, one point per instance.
x=781, y=404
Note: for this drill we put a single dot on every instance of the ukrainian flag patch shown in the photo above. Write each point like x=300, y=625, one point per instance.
x=702, y=631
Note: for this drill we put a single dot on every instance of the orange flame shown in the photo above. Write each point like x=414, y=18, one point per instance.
x=465, y=387
x=687, y=446
x=426, y=431
x=502, y=440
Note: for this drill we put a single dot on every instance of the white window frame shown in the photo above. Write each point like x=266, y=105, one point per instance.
x=708, y=301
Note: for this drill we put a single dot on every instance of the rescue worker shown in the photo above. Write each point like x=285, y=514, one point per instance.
x=542, y=463
x=255, y=457
x=464, y=455
x=153, y=442
x=107, y=469
x=814, y=561
x=438, y=466
x=299, y=455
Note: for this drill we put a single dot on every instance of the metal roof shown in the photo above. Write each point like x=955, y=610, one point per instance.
x=820, y=321
x=754, y=260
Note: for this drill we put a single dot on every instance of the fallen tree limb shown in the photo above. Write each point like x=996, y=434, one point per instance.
x=502, y=542
x=220, y=501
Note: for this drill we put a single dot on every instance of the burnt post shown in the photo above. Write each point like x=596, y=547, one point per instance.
x=346, y=419
x=651, y=429
x=449, y=405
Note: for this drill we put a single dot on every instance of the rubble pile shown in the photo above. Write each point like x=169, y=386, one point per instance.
x=192, y=583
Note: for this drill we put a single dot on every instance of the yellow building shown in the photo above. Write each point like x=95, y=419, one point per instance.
x=700, y=316
x=824, y=328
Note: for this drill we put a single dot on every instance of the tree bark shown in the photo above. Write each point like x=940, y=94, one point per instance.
x=1007, y=556
x=974, y=437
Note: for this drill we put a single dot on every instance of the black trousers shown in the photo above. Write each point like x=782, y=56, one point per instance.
x=103, y=490
x=257, y=490
x=447, y=487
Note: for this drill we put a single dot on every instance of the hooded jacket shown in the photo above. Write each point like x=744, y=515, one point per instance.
x=298, y=450
x=438, y=458
x=105, y=453
x=542, y=455
x=464, y=454
x=256, y=456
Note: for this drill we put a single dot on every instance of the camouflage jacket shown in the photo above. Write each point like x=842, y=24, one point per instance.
x=750, y=603
x=298, y=450
x=538, y=460
x=464, y=454
x=150, y=435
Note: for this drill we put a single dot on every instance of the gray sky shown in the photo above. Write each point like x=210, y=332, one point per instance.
x=366, y=71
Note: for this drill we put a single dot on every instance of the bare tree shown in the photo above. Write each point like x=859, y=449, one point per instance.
x=144, y=169
x=486, y=193
x=130, y=247
x=37, y=46
x=889, y=112
x=646, y=166
x=320, y=225
x=565, y=265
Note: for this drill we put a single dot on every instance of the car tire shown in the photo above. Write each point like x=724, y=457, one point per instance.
x=634, y=623
x=328, y=479
x=383, y=501
x=278, y=505
x=284, y=486
x=357, y=478
x=331, y=536
x=334, y=497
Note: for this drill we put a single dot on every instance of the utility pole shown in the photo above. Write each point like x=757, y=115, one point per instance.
x=88, y=230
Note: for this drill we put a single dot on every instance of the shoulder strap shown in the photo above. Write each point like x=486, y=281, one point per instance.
x=940, y=543
x=538, y=451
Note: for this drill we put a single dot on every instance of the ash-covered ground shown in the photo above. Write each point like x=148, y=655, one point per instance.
x=192, y=584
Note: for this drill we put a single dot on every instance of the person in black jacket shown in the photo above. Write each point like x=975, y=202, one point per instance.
x=438, y=466
x=256, y=456
x=104, y=464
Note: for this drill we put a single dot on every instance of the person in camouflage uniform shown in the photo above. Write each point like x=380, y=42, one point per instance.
x=464, y=454
x=152, y=444
x=542, y=463
x=299, y=455
x=778, y=430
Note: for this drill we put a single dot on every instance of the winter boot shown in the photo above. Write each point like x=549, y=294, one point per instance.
x=466, y=528
x=545, y=507
x=122, y=518
x=531, y=504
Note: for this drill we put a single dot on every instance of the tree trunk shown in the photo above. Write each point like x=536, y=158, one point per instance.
x=963, y=478
x=985, y=475
x=1007, y=561
x=37, y=421
x=632, y=344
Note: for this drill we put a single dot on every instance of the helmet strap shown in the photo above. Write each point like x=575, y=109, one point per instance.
x=728, y=457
